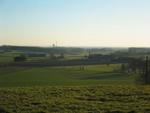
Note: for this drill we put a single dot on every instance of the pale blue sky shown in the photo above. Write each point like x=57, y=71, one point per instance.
x=75, y=22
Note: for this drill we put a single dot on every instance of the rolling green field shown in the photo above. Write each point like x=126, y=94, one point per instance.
x=83, y=99
x=67, y=75
x=71, y=89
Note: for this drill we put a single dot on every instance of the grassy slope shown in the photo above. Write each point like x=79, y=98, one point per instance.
x=89, y=99
x=91, y=75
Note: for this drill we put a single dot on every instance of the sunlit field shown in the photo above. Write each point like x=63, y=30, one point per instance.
x=83, y=99
x=65, y=75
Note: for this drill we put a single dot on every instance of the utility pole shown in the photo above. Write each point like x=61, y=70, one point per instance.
x=56, y=44
x=146, y=70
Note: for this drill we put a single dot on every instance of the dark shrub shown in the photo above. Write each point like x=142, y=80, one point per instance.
x=20, y=58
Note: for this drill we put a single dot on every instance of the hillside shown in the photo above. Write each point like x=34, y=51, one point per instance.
x=64, y=75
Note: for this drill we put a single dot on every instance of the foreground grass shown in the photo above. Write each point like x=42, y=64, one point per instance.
x=87, y=99
x=65, y=75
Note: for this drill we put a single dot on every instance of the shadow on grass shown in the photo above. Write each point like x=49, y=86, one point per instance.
x=104, y=76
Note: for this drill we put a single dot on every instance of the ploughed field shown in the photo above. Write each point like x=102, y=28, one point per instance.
x=76, y=99
x=65, y=75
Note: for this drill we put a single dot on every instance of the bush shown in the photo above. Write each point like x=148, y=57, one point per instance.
x=20, y=58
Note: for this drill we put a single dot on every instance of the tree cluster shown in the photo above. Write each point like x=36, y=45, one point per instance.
x=139, y=67
x=20, y=58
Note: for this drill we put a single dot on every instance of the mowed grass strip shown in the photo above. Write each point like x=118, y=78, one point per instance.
x=66, y=75
x=87, y=99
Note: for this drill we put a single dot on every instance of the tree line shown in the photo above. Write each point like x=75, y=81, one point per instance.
x=139, y=67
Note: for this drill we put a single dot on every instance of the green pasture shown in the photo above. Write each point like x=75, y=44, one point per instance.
x=5, y=59
x=8, y=57
x=66, y=75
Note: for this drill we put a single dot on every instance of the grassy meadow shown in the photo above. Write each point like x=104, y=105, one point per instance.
x=65, y=75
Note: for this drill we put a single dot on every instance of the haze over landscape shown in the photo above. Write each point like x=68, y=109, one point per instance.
x=74, y=56
x=115, y=23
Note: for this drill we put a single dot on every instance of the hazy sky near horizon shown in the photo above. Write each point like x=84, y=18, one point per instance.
x=116, y=23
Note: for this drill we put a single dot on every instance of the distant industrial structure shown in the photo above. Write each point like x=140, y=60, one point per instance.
x=55, y=45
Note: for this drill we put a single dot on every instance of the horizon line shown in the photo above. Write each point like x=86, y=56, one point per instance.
x=75, y=46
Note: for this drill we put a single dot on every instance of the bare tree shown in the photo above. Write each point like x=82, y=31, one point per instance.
x=146, y=72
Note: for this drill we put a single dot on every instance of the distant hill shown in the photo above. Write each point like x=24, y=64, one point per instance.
x=41, y=49
x=70, y=50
